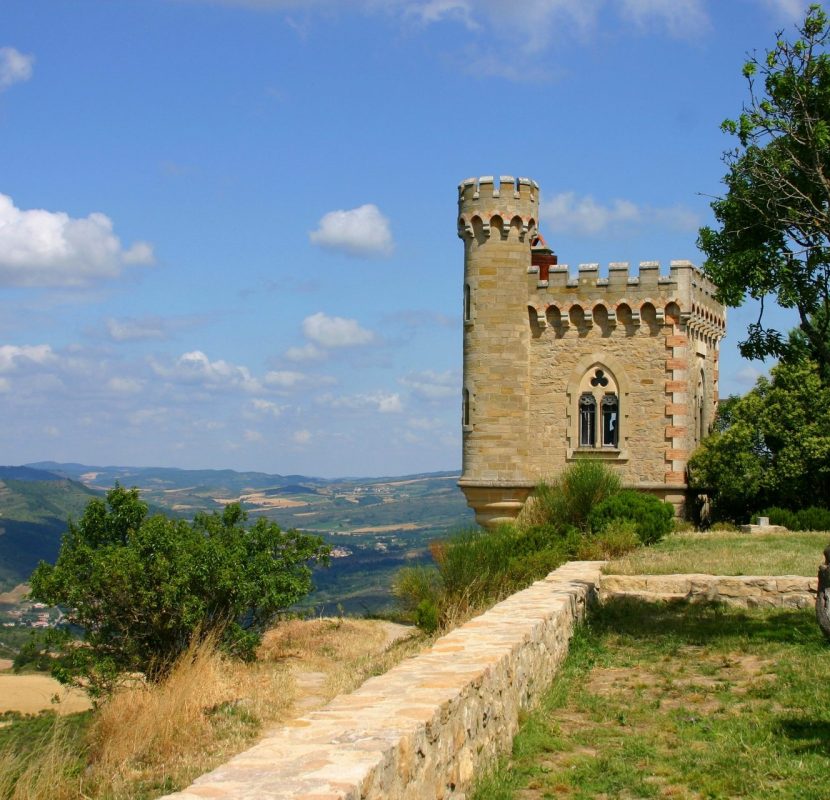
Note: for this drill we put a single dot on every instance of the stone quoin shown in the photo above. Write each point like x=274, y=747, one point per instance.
x=561, y=366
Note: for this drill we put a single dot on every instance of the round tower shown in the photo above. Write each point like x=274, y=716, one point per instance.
x=497, y=222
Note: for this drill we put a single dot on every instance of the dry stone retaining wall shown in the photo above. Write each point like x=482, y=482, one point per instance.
x=749, y=591
x=423, y=729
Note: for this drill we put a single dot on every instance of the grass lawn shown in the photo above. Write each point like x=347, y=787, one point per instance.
x=680, y=701
x=722, y=553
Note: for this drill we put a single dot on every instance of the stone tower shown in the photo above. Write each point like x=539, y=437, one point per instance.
x=558, y=368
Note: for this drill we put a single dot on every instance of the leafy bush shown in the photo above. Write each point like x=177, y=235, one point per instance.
x=475, y=568
x=568, y=499
x=616, y=539
x=805, y=519
x=141, y=588
x=652, y=517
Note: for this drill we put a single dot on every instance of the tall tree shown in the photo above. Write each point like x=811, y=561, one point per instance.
x=774, y=234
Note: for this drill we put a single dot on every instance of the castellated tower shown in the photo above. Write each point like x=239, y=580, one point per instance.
x=560, y=367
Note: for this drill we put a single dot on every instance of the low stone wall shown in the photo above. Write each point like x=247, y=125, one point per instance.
x=749, y=591
x=423, y=729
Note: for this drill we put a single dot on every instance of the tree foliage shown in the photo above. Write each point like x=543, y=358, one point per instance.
x=141, y=587
x=774, y=234
x=771, y=447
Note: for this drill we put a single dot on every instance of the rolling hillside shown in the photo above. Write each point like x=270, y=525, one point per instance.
x=376, y=524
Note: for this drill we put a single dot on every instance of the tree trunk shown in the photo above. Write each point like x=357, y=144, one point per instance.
x=823, y=596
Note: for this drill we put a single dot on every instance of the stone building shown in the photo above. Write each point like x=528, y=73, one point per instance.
x=559, y=367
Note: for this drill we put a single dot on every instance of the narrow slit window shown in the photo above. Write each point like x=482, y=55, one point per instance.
x=610, y=420
x=465, y=407
x=587, y=420
x=467, y=308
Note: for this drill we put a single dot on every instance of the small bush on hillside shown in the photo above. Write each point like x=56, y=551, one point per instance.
x=142, y=588
x=652, y=517
x=568, y=499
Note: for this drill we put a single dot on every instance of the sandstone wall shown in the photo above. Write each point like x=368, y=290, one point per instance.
x=749, y=591
x=426, y=727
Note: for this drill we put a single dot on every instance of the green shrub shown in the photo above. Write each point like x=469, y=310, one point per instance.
x=814, y=519
x=415, y=585
x=427, y=616
x=616, y=539
x=652, y=517
x=805, y=519
x=724, y=527
x=568, y=499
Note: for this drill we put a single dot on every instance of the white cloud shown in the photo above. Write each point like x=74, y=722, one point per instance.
x=131, y=329
x=431, y=385
x=125, y=385
x=327, y=331
x=792, y=10
x=383, y=402
x=266, y=407
x=306, y=352
x=284, y=379
x=13, y=357
x=252, y=436
x=569, y=213
x=680, y=18
x=361, y=231
x=196, y=367
x=15, y=67
x=301, y=437
x=50, y=248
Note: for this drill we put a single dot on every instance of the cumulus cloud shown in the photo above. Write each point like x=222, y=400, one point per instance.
x=361, y=231
x=569, y=213
x=50, y=248
x=383, y=402
x=132, y=329
x=196, y=367
x=306, y=352
x=14, y=357
x=301, y=437
x=266, y=407
x=287, y=379
x=788, y=9
x=679, y=17
x=327, y=331
x=125, y=385
x=15, y=67
x=431, y=385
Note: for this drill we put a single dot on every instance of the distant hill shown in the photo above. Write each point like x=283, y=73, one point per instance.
x=382, y=522
x=34, y=507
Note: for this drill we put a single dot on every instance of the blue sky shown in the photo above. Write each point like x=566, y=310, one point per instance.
x=227, y=229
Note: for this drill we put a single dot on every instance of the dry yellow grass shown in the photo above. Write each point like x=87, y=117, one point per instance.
x=148, y=739
x=28, y=694
x=204, y=710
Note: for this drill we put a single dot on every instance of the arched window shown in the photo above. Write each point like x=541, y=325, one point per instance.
x=610, y=420
x=587, y=420
x=599, y=409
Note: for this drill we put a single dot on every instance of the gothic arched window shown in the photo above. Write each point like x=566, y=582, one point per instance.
x=587, y=420
x=598, y=409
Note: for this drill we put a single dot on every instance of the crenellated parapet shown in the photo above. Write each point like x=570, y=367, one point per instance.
x=485, y=206
x=685, y=296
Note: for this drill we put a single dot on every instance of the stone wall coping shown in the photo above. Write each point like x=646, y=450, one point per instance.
x=423, y=728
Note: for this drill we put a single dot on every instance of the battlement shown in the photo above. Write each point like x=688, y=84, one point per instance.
x=685, y=292
x=485, y=205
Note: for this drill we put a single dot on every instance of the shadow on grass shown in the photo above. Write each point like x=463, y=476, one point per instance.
x=812, y=735
x=705, y=623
